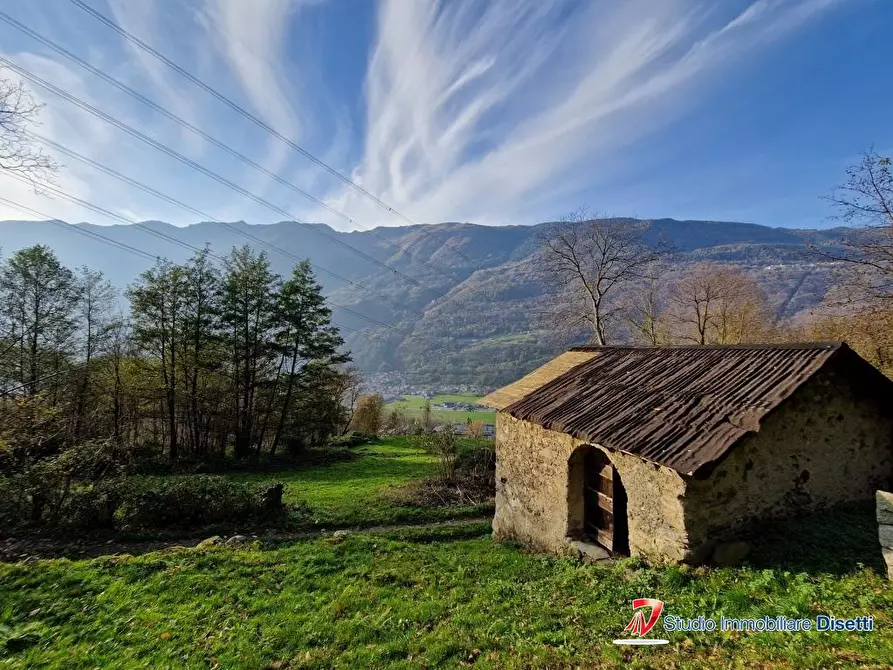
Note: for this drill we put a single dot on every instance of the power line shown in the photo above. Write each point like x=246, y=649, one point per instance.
x=126, y=247
x=113, y=215
x=207, y=171
x=100, y=238
x=163, y=196
x=133, y=39
x=189, y=126
x=108, y=213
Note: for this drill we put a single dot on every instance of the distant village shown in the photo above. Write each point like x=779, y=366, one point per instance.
x=393, y=386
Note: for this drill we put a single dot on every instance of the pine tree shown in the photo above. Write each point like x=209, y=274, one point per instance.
x=37, y=302
x=248, y=319
x=304, y=337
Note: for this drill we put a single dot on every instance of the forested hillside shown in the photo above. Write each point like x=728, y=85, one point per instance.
x=452, y=302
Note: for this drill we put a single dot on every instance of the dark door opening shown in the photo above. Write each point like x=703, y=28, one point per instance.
x=604, y=503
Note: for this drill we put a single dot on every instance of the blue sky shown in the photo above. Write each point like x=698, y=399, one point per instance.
x=492, y=112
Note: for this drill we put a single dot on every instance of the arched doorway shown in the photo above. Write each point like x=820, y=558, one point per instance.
x=597, y=500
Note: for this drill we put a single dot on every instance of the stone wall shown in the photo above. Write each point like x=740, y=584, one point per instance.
x=829, y=443
x=885, y=528
x=536, y=506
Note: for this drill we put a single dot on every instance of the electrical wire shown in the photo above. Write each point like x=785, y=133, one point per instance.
x=133, y=39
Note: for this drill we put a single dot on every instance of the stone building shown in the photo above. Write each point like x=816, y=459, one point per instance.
x=665, y=452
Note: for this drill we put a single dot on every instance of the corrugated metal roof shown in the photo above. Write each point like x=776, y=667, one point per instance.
x=542, y=375
x=681, y=407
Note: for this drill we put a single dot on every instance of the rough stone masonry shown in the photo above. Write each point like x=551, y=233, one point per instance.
x=885, y=528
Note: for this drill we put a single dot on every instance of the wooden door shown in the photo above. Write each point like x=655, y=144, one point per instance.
x=598, y=497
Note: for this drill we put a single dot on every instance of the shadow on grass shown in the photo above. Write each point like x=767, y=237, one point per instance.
x=836, y=541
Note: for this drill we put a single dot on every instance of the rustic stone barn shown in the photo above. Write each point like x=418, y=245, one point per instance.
x=665, y=452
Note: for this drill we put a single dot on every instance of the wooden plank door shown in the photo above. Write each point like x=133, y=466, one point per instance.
x=598, y=496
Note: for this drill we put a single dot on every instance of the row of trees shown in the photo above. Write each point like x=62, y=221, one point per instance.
x=210, y=358
x=613, y=283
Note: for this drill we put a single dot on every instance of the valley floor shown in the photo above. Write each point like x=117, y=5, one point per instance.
x=440, y=596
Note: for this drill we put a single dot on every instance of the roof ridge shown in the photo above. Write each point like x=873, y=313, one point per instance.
x=820, y=346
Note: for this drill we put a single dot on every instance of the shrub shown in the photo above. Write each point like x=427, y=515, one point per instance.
x=144, y=502
x=479, y=463
x=473, y=483
x=444, y=444
x=193, y=501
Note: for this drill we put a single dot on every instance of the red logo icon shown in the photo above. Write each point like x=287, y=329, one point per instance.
x=642, y=623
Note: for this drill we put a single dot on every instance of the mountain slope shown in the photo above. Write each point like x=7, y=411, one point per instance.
x=461, y=299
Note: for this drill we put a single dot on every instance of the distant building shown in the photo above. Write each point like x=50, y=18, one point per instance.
x=665, y=452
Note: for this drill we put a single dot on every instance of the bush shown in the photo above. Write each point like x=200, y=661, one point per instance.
x=444, y=444
x=146, y=502
x=473, y=483
x=479, y=463
x=193, y=501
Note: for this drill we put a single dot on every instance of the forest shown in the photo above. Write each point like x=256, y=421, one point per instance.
x=213, y=360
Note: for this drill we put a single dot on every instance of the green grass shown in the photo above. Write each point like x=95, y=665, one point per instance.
x=414, y=599
x=444, y=596
x=413, y=406
x=355, y=493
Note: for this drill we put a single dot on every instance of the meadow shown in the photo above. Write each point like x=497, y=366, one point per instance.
x=355, y=493
x=442, y=596
x=413, y=406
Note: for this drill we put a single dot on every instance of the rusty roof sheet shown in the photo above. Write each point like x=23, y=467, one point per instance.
x=681, y=407
x=505, y=396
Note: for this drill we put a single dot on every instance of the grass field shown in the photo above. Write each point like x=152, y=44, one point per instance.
x=354, y=493
x=414, y=405
x=443, y=597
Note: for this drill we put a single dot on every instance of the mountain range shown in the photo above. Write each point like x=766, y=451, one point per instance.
x=448, y=302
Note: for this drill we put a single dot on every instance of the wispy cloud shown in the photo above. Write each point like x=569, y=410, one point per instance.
x=491, y=112
x=577, y=93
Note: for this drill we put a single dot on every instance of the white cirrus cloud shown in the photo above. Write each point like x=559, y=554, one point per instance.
x=480, y=111
x=493, y=112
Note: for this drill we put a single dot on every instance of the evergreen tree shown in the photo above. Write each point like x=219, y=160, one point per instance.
x=304, y=336
x=37, y=301
x=248, y=319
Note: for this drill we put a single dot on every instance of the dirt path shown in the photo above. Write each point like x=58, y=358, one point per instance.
x=16, y=549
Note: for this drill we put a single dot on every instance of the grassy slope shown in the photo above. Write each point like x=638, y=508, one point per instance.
x=354, y=493
x=434, y=597
x=414, y=405
x=418, y=599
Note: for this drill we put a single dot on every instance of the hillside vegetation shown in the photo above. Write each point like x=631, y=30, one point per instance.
x=465, y=308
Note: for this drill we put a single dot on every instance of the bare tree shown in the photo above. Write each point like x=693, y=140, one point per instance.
x=645, y=310
x=586, y=260
x=18, y=151
x=351, y=390
x=865, y=200
x=713, y=304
